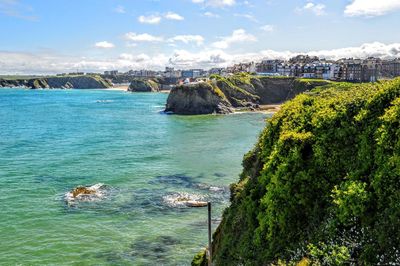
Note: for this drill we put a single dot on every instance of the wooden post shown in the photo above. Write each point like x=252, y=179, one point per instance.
x=209, y=235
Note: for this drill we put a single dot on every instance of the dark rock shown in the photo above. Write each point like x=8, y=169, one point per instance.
x=242, y=91
x=198, y=98
x=140, y=85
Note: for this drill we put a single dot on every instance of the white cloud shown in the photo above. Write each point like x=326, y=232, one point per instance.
x=268, y=28
x=210, y=15
x=144, y=37
x=173, y=16
x=215, y=3
x=246, y=16
x=317, y=9
x=40, y=63
x=197, y=39
x=152, y=19
x=120, y=9
x=371, y=8
x=104, y=45
x=239, y=35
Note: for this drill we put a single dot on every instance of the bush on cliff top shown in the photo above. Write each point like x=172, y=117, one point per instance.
x=323, y=183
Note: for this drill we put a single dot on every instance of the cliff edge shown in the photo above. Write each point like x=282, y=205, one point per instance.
x=59, y=82
x=196, y=99
x=241, y=92
x=140, y=85
x=322, y=185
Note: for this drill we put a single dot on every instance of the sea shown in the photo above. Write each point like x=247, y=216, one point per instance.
x=145, y=161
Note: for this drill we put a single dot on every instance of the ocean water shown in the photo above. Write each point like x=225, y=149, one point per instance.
x=54, y=140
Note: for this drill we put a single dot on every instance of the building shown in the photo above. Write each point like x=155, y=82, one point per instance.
x=371, y=69
x=268, y=66
x=193, y=73
x=111, y=73
x=391, y=68
x=170, y=72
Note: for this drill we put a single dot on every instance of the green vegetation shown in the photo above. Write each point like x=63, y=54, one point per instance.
x=200, y=259
x=322, y=185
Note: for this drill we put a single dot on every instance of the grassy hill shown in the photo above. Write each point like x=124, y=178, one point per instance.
x=322, y=185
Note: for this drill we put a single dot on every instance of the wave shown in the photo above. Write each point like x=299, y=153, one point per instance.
x=104, y=101
x=182, y=199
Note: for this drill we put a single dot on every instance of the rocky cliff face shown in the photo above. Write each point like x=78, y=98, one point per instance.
x=240, y=91
x=321, y=186
x=195, y=99
x=62, y=82
x=140, y=85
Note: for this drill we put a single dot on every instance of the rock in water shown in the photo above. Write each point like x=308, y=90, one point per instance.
x=197, y=98
x=196, y=203
x=140, y=85
x=184, y=200
x=82, y=193
x=242, y=92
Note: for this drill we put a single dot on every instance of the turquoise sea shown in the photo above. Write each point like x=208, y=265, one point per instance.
x=54, y=140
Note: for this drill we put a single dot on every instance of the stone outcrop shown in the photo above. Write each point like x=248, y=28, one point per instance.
x=242, y=92
x=140, y=85
x=196, y=99
x=61, y=82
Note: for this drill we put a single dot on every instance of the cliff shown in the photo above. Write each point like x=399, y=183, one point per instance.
x=199, y=98
x=322, y=185
x=59, y=82
x=140, y=85
x=240, y=91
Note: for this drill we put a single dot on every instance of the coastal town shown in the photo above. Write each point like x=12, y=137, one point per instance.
x=347, y=69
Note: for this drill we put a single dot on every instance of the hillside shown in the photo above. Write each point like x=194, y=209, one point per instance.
x=240, y=92
x=143, y=85
x=322, y=185
x=57, y=82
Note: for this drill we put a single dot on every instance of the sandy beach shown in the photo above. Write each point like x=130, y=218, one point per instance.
x=118, y=88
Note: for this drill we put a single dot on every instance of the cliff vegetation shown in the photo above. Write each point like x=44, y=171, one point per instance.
x=57, y=82
x=241, y=92
x=322, y=185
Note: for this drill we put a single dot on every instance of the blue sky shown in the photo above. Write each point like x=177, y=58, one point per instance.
x=45, y=36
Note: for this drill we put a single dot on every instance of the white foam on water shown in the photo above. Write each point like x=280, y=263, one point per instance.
x=99, y=193
x=181, y=199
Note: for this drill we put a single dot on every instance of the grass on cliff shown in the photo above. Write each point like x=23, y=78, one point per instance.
x=322, y=185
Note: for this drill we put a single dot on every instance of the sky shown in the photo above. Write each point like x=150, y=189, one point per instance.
x=48, y=36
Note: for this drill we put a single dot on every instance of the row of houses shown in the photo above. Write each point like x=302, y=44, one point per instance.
x=355, y=70
x=351, y=69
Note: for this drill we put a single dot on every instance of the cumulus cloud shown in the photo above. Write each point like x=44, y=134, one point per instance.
x=152, y=19
x=371, y=8
x=144, y=37
x=317, y=9
x=156, y=18
x=104, y=45
x=197, y=39
x=239, y=35
x=29, y=63
x=215, y=3
x=173, y=16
